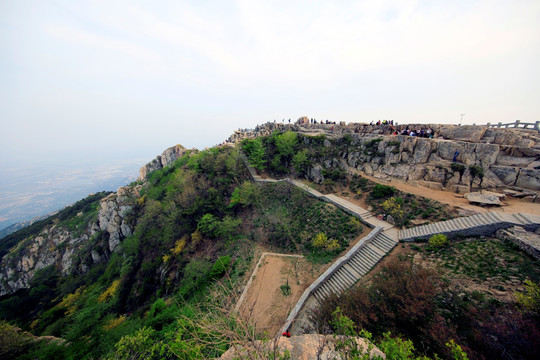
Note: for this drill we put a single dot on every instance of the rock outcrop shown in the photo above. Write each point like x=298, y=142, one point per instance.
x=69, y=251
x=166, y=158
x=489, y=158
x=75, y=252
x=113, y=216
x=301, y=347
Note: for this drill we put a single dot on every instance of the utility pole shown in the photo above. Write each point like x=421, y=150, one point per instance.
x=460, y=121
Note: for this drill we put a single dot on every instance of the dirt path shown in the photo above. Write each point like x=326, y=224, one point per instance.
x=265, y=302
x=513, y=205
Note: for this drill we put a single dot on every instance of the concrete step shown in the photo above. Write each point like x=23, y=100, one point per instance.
x=343, y=278
x=349, y=266
x=330, y=288
x=387, y=243
x=359, y=264
x=323, y=291
x=318, y=296
x=337, y=283
x=370, y=254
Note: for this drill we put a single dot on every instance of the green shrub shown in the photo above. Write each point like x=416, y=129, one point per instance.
x=220, y=266
x=157, y=307
x=319, y=241
x=144, y=344
x=286, y=143
x=530, y=299
x=381, y=191
x=476, y=171
x=255, y=152
x=244, y=195
x=457, y=167
x=285, y=289
x=438, y=241
x=301, y=161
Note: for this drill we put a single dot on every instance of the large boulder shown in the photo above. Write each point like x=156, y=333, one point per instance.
x=301, y=347
x=315, y=174
x=446, y=150
x=422, y=150
x=486, y=154
x=529, y=179
x=483, y=198
x=113, y=214
x=507, y=174
x=469, y=133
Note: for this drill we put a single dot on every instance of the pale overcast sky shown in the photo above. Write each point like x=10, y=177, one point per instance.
x=129, y=78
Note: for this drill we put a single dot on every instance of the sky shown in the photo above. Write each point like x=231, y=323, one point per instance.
x=90, y=80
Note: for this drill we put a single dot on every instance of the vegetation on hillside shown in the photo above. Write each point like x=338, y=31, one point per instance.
x=427, y=301
x=168, y=290
x=196, y=223
x=67, y=216
x=289, y=153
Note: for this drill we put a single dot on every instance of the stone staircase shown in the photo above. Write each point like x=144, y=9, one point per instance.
x=348, y=206
x=358, y=265
x=475, y=225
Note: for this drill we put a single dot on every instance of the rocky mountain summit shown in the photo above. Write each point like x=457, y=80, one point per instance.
x=167, y=157
x=489, y=158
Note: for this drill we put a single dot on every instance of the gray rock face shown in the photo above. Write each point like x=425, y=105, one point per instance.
x=529, y=179
x=57, y=246
x=166, y=158
x=465, y=133
x=422, y=151
x=113, y=217
x=53, y=246
x=315, y=174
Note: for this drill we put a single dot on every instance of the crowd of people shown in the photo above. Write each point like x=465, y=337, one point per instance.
x=425, y=133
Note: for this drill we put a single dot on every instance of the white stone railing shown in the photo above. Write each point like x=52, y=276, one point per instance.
x=516, y=124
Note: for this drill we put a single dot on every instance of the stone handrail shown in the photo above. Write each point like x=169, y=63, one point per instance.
x=516, y=124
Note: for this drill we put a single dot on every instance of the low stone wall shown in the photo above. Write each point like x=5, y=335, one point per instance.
x=526, y=241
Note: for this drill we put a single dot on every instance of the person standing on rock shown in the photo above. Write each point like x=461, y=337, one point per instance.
x=454, y=159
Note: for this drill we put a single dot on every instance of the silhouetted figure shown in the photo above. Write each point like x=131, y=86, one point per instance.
x=454, y=159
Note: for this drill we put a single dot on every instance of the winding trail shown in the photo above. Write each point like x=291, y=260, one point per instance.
x=363, y=256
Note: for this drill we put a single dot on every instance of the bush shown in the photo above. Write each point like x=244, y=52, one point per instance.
x=381, y=191
x=319, y=241
x=286, y=143
x=301, y=161
x=255, y=153
x=530, y=299
x=457, y=167
x=144, y=344
x=220, y=266
x=476, y=171
x=244, y=195
x=438, y=241
x=392, y=206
